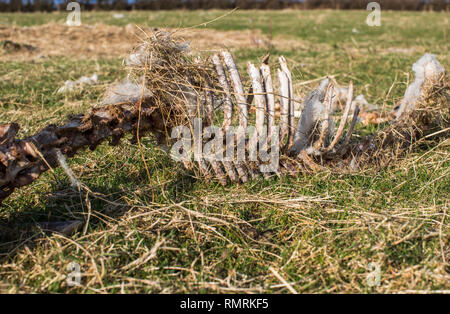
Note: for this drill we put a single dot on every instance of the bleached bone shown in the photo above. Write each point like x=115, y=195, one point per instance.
x=198, y=148
x=231, y=170
x=270, y=98
x=209, y=103
x=339, y=97
x=427, y=70
x=350, y=129
x=238, y=88
x=291, y=121
x=217, y=168
x=223, y=81
x=343, y=121
x=242, y=105
x=260, y=104
x=228, y=112
x=284, y=100
x=363, y=104
x=324, y=123
x=260, y=98
x=215, y=165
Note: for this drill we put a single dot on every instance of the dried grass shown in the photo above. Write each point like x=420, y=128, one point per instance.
x=178, y=82
x=102, y=41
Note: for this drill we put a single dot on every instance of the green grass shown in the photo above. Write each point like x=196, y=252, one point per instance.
x=318, y=231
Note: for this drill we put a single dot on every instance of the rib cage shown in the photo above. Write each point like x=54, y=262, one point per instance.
x=298, y=146
x=313, y=144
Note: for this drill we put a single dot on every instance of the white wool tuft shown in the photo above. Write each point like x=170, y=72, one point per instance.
x=313, y=111
x=62, y=162
x=69, y=86
x=427, y=68
x=126, y=92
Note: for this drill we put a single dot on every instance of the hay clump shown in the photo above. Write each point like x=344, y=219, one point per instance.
x=179, y=84
x=428, y=120
x=427, y=71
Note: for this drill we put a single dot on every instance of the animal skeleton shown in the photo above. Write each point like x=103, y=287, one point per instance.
x=194, y=91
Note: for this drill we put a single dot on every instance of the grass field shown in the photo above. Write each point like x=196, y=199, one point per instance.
x=322, y=232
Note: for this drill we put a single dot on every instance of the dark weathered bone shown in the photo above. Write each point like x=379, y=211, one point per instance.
x=23, y=161
x=66, y=228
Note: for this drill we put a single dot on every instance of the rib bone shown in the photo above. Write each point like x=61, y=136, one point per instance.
x=284, y=99
x=260, y=98
x=228, y=105
x=270, y=98
x=291, y=121
x=238, y=88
